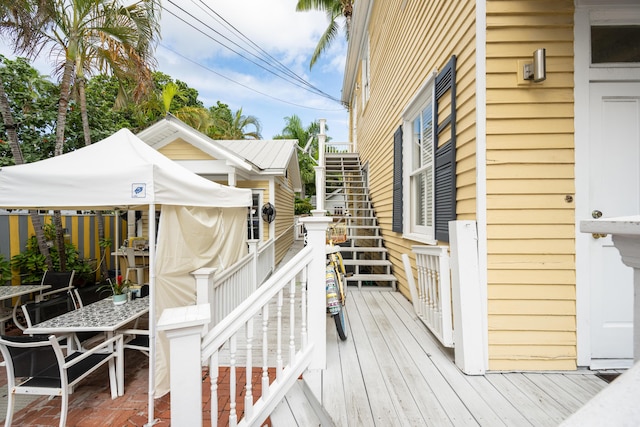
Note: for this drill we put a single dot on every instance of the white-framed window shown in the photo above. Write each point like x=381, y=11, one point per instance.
x=254, y=217
x=366, y=74
x=419, y=161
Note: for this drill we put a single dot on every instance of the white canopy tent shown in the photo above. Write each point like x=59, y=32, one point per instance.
x=122, y=172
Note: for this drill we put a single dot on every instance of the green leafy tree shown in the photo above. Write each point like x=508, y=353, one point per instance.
x=334, y=9
x=92, y=35
x=19, y=22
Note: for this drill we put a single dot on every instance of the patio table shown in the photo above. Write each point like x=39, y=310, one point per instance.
x=101, y=316
x=8, y=292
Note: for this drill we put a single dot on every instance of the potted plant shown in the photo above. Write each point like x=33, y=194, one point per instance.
x=5, y=271
x=118, y=289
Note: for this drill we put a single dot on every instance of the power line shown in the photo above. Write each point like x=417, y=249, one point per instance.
x=305, y=85
x=243, y=85
x=218, y=18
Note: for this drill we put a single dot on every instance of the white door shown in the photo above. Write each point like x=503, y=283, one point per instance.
x=614, y=190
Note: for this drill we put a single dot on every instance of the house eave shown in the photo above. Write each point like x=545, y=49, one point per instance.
x=359, y=22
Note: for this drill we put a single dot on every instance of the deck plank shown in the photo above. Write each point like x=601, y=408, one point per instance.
x=569, y=402
x=555, y=411
x=424, y=405
x=454, y=391
x=591, y=383
x=374, y=360
x=530, y=408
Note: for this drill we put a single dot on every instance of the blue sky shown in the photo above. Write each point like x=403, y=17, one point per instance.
x=221, y=75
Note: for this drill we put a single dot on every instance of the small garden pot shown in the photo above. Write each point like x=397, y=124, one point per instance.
x=119, y=299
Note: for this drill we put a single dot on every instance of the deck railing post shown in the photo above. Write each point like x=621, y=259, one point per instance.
x=204, y=286
x=184, y=327
x=316, y=295
x=253, y=249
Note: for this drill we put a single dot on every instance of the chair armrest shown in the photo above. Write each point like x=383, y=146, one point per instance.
x=133, y=331
x=117, y=340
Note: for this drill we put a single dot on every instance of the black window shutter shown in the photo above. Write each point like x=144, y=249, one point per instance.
x=396, y=223
x=445, y=154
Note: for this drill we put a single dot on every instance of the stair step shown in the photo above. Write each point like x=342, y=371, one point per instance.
x=359, y=262
x=372, y=278
x=369, y=249
x=365, y=237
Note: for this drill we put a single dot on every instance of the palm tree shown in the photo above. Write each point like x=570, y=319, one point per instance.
x=95, y=35
x=161, y=103
x=235, y=127
x=334, y=10
x=295, y=130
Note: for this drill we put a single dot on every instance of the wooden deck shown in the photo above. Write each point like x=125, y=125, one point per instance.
x=391, y=371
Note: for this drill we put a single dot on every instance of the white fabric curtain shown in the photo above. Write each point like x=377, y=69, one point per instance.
x=190, y=238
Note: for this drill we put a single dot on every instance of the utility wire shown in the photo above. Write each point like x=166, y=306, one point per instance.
x=306, y=85
x=218, y=18
x=243, y=85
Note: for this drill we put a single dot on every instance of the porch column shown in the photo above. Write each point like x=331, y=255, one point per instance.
x=625, y=232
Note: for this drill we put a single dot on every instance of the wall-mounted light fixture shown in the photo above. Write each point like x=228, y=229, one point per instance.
x=536, y=70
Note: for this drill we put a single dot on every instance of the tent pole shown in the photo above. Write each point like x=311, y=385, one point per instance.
x=152, y=311
x=116, y=245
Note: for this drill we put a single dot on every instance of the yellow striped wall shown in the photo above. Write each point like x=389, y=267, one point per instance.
x=408, y=41
x=530, y=182
x=16, y=228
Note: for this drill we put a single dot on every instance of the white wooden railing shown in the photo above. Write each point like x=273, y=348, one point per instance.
x=266, y=260
x=232, y=342
x=432, y=295
x=338, y=147
x=225, y=291
x=278, y=331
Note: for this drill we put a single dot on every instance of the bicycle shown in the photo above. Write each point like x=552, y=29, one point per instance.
x=335, y=281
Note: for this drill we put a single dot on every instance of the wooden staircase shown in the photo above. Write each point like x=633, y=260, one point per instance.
x=347, y=200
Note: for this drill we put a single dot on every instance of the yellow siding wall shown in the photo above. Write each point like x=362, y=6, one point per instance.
x=530, y=184
x=408, y=41
x=182, y=150
x=284, y=217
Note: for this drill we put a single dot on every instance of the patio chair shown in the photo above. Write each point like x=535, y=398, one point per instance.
x=36, y=312
x=59, y=293
x=136, y=339
x=60, y=282
x=36, y=365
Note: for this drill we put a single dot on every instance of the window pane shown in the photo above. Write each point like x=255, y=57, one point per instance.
x=611, y=44
x=427, y=135
x=253, y=218
x=416, y=145
x=420, y=200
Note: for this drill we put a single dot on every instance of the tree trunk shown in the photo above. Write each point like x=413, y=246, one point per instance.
x=12, y=135
x=63, y=106
x=80, y=82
